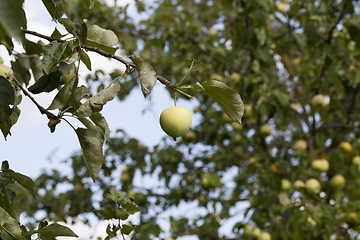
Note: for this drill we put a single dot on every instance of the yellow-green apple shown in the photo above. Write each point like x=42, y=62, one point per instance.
x=300, y=145
x=247, y=110
x=356, y=160
x=337, y=181
x=299, y=184
x=236, y=77
x=313, y=186
x=175, y=121
x=190, y=135
x=7, y=73
x=346, y=146
x=66, y=77
x=318, y=100
x=321, y=165
x=311, y=221
x=264, y=236
x=285, y=185
x=237, y=126
x=265, y=130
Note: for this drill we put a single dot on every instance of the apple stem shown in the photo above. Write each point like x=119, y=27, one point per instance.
x=174, y=98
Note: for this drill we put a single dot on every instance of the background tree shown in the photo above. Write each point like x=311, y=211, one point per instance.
x=295, y=65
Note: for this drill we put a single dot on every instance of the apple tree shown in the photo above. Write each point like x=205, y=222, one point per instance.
x=288, y=168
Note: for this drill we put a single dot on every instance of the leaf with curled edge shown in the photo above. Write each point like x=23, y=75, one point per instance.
x=146, y=74
x=96, y=103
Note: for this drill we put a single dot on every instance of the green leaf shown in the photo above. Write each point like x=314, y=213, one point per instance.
x=12, y=18
x=91, y=147
x=23, y=180
x=12, y=208
x=54, y=8
x=80, y=32
x=12, y=227
x=86, y=59
x=126, y=229
x=55, y=230
x=96, y=103
x=121, y=213
x=107, y=213
x=67, y=23
x=100, y=121
x=146, y=74
x=228, y=99
x=101, y=38
x=54, y=53
x=7, y=98
x=47, y=83
x=63, y=96
x=79, y=94
x=5, y=179
x=194, y=64
x=21, y=68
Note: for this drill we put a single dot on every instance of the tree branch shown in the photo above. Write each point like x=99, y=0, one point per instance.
x=41, y=108
x=103, y=53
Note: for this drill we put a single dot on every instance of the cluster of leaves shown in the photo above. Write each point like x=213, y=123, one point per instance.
x=10, y=227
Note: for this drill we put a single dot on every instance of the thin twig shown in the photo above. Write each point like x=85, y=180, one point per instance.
x=41, y=108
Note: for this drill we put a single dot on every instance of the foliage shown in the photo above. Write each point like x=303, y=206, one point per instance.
x=277, y=54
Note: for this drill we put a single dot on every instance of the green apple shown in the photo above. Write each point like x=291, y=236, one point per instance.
x=299, y=184
x=125, y=177
x=190, y=135
x=197, y=109
x=205, y=180
x=337, y=181
x=237, y=126
x=256, y=232
x=351, y=217
x=247, y=110
x=7, y=73
x=248, y=229
x=346, y=146
x=236, y=77
x=294, y=106
x=265, y=130
x=175, y=121
x=217, y=77
x=225, y=118
x=213, y=32
x=131, y=193
x=313, y=186
x=66, y=77
x=311, y=221
x=356, y=160
x=321, y=165
x=282, y=7
x=1, y=60
x=237, y=138
x=300, y=145
x=251, y=231
x=264, y=236
x=318, y=100
x=285, y=185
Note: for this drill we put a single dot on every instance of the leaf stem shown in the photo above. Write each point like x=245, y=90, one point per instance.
x=190, y=68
